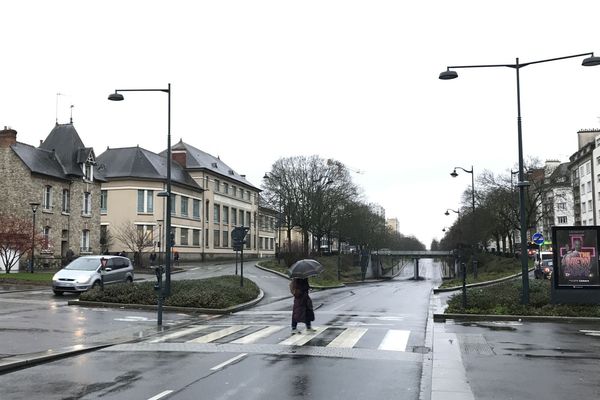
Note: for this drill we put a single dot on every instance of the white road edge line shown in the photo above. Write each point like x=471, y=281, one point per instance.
x=234, y=359
x=161, y=395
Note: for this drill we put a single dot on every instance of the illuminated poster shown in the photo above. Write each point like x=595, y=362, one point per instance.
x=577, y=257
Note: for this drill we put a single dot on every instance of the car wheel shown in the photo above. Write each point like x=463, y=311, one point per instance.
x=58, y=292
x=96, y=285
x=129, y=280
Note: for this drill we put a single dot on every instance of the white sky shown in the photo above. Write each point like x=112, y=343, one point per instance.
x=253, y=81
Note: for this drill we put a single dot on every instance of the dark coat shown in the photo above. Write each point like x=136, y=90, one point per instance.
x=303, y=306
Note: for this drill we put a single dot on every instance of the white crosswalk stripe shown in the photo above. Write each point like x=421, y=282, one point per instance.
x=589, y=332
x=256, y=336
x=348, y=338
x=179, y=334
x=218, y=334
x=395, y=340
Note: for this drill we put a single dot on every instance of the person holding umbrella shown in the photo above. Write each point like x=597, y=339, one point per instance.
x=303, y=310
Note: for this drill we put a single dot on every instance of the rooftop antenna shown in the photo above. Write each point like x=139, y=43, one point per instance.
x=72, y=113
x=57, y=94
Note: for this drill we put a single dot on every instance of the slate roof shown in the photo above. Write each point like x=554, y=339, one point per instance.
x=58, y=156
x=198, y=159
x=562, y=171
x=137, y=162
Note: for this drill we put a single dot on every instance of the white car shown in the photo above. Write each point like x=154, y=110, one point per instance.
x=86, y=272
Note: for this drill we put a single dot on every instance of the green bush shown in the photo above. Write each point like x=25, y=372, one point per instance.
x=218, y=292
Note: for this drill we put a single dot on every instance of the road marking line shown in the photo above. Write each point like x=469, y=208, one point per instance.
x=231, y=360
x=303, y=338
x=589, y=332
x=348, y=338
x=263, y=333
x=395, y=340
x=161, y=395
x=175, y=335
x=218, y=334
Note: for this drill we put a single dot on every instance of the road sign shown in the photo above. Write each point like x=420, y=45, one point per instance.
x=538, y=238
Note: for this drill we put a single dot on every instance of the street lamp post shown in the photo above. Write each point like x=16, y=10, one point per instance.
x=454, y=174
x=116, y=96
x=589, y=61
x=34, y=206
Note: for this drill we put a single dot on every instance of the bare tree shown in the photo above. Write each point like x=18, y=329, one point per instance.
x=15, y=239
x=135, y=238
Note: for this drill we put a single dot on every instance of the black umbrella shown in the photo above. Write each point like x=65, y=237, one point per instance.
x=305, y=268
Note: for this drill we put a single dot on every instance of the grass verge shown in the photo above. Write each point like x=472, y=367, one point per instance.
x=37, y=278
x=218, y=292
x=328, y=277
x=504, y=299
x=490, y=267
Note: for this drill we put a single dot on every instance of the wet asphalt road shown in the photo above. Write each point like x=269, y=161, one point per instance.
x=388, y=320
x=502, y=360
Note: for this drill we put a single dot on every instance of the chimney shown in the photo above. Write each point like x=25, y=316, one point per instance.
x=8, y=137
x=180, y=157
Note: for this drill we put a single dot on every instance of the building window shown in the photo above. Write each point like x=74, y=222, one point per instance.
x=242, y=218
x=234, y=216
x=216, y=213
x=206, y=242
x=196, y=209
x=183, y=236
x=173, y=202
x=47, y=201
x=590, y=208
x=247, y=195
x=217, y=186
x=562, y=220
x=196, y=237
x=87, y=204
x=588, y=167
x=249, y=240
x=217, y=238
x=145, y=201
x=225, y=188
x=561, y=206
x=225, y=215
x=582, y=188
x=248, y=220
x=583, y=207
x=271, y=242
x=46, y=238
x=233, y=191
x=206, y=211
x=184, y=206
x=103, y=201
x=598, y=160
x=225, y=239
x=66, y=201
x=85, y=241
x=89, y=174
x=589, y=187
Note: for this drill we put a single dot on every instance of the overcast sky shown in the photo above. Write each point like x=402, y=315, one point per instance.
x=357, y=81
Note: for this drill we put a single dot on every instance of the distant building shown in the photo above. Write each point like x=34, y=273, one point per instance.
x=61, y=176
x=393, y=224
x=583, y=168
x=557, y=200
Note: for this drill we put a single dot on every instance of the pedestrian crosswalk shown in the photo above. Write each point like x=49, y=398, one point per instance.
x=323, y=336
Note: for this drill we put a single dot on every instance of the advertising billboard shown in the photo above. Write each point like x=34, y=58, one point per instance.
x=576, y=257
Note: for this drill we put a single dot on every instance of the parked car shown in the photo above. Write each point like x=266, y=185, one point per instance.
x=543, y=265
x=86, y=272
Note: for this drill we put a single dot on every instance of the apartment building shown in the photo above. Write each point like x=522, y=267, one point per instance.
x=584, y=168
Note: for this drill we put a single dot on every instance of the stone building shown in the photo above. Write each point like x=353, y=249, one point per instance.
x=60, y=177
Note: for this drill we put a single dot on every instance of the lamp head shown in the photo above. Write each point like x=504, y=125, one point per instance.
x=446, y=213
x=443, y=229
x=34, y=206
x=116, y=97
x=446, y=75
x=266, y=176
x=591, y=61
x=453, y=174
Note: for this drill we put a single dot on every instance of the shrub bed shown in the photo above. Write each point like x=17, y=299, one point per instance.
x=505, y=299
x=490, y=267
x=218, y=292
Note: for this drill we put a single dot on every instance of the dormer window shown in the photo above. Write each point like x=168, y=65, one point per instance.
x=88, y=172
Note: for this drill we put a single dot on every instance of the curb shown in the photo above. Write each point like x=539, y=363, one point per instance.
x=486, y=283
x=529, y=318
x=318, y=287
x=197, y=310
